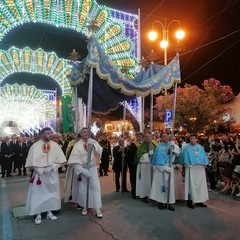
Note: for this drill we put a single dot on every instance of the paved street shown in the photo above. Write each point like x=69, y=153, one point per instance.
x=123, y=217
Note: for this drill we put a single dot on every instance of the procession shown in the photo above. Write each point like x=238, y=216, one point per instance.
x=112, y=127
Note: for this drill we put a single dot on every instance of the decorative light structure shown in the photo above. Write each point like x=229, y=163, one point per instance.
x=116, y=32
x=134, y=107
x=35, y=61
x=29, y=107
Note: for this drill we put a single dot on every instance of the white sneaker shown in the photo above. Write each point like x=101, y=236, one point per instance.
x=99, y=213
x=50, y=216
x=84, y=212
x=238, y=195
x=38, y=219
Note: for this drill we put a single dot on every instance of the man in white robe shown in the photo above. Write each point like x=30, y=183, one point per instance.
x=162, y=189
x=44, y=158
x=195, y=160
x=84, y=158
x=143, y=174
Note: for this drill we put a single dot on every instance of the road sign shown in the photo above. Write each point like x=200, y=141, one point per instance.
x=168, y=124
x=168, y=115
x=168, y=118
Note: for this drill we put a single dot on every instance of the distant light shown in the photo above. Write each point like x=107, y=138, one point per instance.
x=164, y=44
x=152, y=35
x=180, y=34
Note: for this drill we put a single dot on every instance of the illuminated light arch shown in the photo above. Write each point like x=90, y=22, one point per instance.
x=36, y=61
x=29, y=107
x=117, y=32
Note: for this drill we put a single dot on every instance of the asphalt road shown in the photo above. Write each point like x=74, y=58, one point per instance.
x=123, y=218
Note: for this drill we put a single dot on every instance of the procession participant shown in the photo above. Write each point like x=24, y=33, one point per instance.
x=143, y=176
x=44, y=158
x=195, y=160
x=88, y=181
x=7, y=154
x=156, y=138
x=106, y=155
x=119, y=165
x=163, y=174
x=21, y=155
x=131, y=160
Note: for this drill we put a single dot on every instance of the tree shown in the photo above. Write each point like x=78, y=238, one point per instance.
x=197, y=108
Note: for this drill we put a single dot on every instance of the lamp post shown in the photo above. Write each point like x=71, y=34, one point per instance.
x=164, y=45
x=165, y=35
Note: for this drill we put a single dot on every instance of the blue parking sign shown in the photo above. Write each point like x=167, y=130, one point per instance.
x=168, y=115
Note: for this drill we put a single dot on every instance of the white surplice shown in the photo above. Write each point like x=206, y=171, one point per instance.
x=78, y=188
x=160, y=184
x=45, y=196
x=196, y=183
x=143, y=177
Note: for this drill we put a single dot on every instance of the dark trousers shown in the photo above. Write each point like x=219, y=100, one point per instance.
x=6, y=166
x=21, y=166
x=133, y=173
x=212, y=179
x=124, y=180
x=104, y=167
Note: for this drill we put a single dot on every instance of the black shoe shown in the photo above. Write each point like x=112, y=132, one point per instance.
x=133, y=197
x=125, y=190
x=3, y=176
x=201, y=205
x=9, y=175
x=161, y=206
x=19, y=174
x=190, y=204
x=170, y=208
x=25, y=174
x=145, y=200
x=117, y=190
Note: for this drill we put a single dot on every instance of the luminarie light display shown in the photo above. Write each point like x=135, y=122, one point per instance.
x=31, y=108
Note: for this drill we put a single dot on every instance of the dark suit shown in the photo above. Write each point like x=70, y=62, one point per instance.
x=117, y=167
x=21, y=156
x=106, y=153
x=14, y=157
x=7, y=153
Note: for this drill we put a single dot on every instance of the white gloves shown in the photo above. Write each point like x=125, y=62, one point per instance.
x=172, y=143
x=86, y=172
x=150, y=153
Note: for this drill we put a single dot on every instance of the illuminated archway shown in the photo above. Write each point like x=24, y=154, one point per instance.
x=31, y=108
x=117, y=30
x=35, y=61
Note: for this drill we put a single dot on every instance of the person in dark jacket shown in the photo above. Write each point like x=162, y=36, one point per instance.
x=119, y=166
x=106, y=155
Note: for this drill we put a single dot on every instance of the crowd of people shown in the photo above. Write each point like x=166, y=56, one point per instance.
x=162, y=169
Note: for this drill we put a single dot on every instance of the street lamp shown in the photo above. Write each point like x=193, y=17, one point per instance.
x=165, y=31
x=164, y=45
